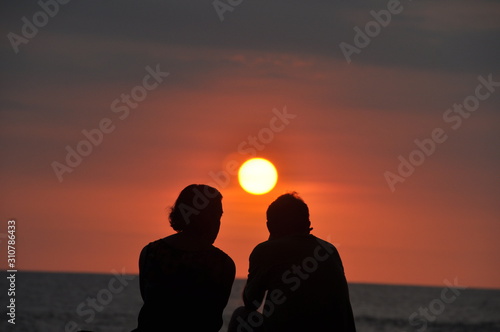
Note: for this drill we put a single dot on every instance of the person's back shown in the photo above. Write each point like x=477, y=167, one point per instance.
x=185, y=281
x=304, y=278
x=182, y=288
x=302, y=274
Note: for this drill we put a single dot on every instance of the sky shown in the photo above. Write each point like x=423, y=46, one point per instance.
x=382, y=115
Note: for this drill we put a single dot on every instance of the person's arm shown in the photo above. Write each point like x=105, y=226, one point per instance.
x=255, y=288
x=142, y=270
x=228, y=280
x=347, y=314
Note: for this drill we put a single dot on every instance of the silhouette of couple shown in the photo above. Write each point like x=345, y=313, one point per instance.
x=185, y=281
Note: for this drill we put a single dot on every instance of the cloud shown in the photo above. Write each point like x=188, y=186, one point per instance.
x=455, y=16
x=426, y=35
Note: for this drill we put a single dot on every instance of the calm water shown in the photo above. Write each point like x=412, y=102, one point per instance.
x=51, y=301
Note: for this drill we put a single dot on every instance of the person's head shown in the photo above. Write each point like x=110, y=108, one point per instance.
x=197, y=211
x=288, y=215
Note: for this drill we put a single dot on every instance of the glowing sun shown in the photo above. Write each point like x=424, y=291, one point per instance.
x=257, y=176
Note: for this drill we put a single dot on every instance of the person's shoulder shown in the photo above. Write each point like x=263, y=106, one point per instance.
x=271, y=244
x=221, y=254
x=324, y=244
x=224, y=259
x=148, y=246
x=263, y=246
x=285, y=241
x=155, y=247
x=149, y=251
x=330, y=249
x=268, y=248
x=217, y=251
x=154, y=244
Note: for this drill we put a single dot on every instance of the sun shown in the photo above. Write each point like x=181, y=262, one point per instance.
x=257, y=176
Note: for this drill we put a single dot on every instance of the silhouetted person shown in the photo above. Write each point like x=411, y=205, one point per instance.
x=185, y=281
x=302, y=274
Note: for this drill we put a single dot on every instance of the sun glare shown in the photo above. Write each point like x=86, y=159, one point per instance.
x=257, y=176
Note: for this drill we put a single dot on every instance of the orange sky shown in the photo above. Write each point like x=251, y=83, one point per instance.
x=352, y=122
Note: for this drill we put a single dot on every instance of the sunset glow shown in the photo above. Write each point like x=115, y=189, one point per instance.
x=104, y=121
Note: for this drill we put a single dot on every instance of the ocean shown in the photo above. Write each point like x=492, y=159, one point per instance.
x=52, y=302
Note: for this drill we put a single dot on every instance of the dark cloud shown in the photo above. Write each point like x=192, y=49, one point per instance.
x=414, y=38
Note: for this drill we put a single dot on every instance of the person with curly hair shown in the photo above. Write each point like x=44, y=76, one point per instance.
x=185, y=281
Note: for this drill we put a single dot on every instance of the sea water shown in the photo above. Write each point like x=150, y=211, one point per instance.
x=52, y=302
